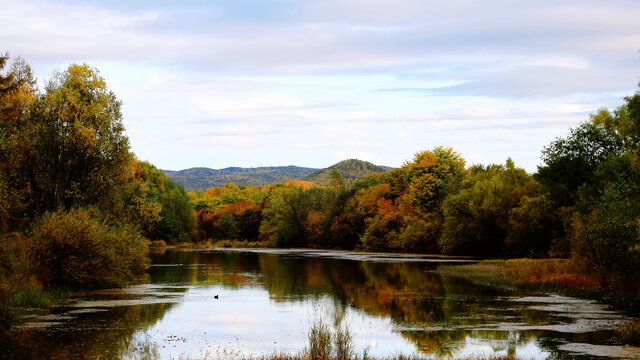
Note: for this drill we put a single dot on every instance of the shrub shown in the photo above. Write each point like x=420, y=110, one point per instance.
x=158, y=243
x=77, y=249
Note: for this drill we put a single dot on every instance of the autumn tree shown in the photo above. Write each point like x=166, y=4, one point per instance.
x=66, y=172
x=76, y=152
x=431, y=175
x=17, y=95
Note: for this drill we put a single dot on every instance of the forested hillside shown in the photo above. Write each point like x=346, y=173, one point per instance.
x=350, y=170
x=202, y=178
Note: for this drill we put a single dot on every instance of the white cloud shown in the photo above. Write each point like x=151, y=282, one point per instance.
x=215, y=85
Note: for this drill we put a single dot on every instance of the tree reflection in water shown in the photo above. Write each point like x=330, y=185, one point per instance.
x=440, y=315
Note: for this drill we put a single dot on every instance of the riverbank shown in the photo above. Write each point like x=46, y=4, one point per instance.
x=545, y=275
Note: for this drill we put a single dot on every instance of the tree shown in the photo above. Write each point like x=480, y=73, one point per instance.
x=431, y=175
x=284, y=216
x=572, y=161
x=498, y=211
x=176, y=220
x=17, y=95
x=69, y=147
x=606, y=237
x=336, y=182
x=624, y=120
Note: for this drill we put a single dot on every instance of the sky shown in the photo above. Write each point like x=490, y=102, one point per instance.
x=309, y=83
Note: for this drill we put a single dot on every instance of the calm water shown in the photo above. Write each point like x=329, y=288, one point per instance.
x=267, y=300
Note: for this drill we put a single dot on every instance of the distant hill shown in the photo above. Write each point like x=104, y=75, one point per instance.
x=351, y=170
x=202, y=178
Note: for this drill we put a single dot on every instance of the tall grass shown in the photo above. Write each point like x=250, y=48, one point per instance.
x=557, y=275
x=320, y=339
x=241, y=244
x=343, y=343
x=630, y=334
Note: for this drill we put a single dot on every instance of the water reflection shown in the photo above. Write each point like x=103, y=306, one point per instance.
x=266, y=300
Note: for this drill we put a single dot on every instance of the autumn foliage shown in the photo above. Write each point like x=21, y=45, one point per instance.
x=76, y=207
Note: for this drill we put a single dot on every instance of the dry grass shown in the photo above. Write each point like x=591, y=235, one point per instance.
x=241, y=244
x=630, y=333
x=549, y=273
x=538, y=274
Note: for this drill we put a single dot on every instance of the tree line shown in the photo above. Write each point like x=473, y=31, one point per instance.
x=583, y=202
x=77, y=209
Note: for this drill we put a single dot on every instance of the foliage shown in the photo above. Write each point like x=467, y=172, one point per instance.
x=77, y=249
x=14, y=265
x=431, y=176
x=16, y=97
x=572, y=161
x=176, y=220
x=284, y=216
x=79, y=153
x=74, y=202
x=607, y=238
x=498, y=211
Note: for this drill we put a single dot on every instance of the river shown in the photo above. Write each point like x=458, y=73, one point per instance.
x=235, y=303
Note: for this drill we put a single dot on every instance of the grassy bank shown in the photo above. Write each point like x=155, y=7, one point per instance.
x=559, y=276
x=241, y=244
x=545, y=275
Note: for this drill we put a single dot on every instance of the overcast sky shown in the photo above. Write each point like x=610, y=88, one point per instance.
x=309, y=83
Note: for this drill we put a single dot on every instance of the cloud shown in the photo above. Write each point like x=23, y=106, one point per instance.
x=260, y=83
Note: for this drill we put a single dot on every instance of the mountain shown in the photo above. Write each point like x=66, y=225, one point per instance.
x=351, y=170
x=202, y=178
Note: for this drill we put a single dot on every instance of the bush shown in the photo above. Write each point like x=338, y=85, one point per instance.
x=77, y=249
x=158, y=243
x=14, y=264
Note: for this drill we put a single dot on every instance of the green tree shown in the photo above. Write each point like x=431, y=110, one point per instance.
x=176, y=220
x=498, y=211
x=227, y=227
x=606, y=238
x=624, y=120
x=572, y=161
x=284, y=216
